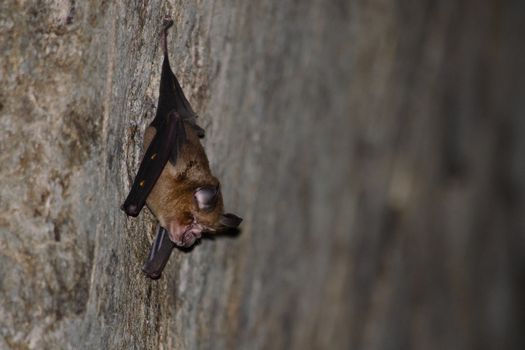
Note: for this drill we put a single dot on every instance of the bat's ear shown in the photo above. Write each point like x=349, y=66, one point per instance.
x=206, y=197
x=230, y=221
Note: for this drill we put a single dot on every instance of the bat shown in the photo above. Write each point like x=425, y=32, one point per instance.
x=174, y=178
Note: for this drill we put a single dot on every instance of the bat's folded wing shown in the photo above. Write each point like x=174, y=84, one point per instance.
x=171, y=97
x=159, y=254
x=166, y=144
x=182, y=106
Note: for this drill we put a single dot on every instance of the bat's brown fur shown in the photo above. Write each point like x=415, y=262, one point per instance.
x=172, y=198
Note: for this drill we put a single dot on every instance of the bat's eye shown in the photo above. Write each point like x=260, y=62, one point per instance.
x=206, y=198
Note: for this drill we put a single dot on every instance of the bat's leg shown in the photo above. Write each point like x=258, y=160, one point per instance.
x=167, y=23
x=159, y=254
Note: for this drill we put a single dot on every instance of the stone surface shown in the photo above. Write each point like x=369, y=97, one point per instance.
x=374, y=148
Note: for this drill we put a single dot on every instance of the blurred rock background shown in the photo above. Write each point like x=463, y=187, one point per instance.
x=375, y=149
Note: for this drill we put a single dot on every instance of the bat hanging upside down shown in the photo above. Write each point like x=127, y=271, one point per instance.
x=174, y=177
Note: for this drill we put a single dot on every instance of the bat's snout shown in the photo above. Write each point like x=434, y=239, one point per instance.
x=184, y=236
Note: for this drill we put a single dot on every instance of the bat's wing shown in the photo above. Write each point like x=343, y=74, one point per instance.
x=159, y=254
x=166, y=144
x=171, y=97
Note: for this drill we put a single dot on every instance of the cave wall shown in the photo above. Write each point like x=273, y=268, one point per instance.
x=375, y=150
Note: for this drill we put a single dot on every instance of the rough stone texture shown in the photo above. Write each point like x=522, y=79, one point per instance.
x=375, y=148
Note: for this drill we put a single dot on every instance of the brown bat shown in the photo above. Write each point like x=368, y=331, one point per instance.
x=174, y=177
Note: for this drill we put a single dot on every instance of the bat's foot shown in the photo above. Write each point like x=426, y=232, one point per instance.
x=167, y=22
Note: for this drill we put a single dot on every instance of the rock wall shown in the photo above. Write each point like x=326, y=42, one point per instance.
x=374, y=148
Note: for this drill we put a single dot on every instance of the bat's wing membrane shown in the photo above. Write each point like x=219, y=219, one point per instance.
x=171, y=97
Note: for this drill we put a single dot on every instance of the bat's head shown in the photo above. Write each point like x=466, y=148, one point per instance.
x=199, y=210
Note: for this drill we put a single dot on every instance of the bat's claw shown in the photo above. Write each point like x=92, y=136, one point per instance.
x=167, y=22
